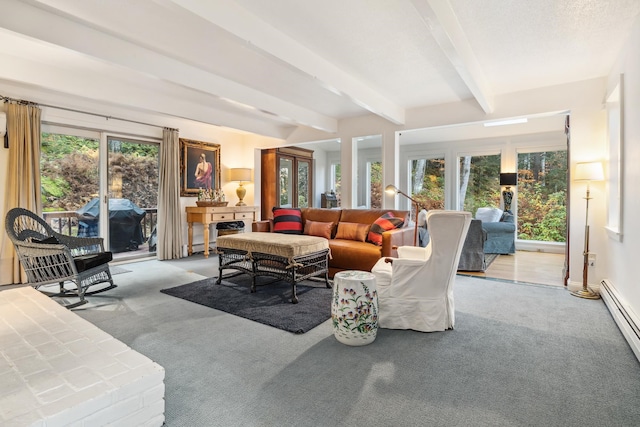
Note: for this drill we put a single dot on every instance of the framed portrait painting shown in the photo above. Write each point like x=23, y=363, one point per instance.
x=199, y=166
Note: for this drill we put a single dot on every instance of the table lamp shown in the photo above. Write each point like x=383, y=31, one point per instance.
x=508, y=179
x=240, y=175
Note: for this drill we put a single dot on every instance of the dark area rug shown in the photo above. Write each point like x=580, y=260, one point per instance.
x=270, y=305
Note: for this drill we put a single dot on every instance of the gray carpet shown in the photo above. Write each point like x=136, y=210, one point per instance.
x=270, y=304
x=521, y=355
x=115, y=269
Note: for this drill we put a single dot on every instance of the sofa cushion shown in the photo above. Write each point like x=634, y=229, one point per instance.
x=508, y=217
x=368, y=216
x=352, y=255
x=287, y=220
x=422, y=218
x=489, y=214
x=321, y=215
x=317, y=228
x=86, y=262
x=352, y=231
x=385, y=223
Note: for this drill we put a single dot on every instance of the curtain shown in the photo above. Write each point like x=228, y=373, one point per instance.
x=169, y=212
x=23, y=178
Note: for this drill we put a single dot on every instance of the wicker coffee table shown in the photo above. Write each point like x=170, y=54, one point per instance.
x=284, y=256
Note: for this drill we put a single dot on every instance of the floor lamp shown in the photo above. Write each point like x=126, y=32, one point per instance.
x=392, y=189
x=587, y=171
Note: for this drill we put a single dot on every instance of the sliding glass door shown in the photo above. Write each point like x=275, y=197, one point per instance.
x=132, y=188
x=82, y=170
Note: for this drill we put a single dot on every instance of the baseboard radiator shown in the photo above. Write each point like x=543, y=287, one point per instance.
x=626, y=319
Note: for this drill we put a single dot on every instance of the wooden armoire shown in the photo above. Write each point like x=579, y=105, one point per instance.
x=287, y=179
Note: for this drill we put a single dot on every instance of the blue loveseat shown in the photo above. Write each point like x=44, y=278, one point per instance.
x=501, y=234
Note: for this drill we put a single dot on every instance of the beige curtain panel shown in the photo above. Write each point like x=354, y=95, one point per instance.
x=23, y=179
x=169, y=212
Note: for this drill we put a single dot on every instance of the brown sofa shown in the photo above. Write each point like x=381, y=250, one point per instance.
x=352, y=254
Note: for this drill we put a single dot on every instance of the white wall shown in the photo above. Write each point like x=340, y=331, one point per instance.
x=620, y=257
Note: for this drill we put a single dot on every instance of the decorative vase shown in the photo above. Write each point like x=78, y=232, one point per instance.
x=354, y=307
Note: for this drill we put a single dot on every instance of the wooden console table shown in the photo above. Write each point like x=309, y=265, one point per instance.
x=211, y=215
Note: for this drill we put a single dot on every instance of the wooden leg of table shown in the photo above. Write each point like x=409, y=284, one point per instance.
x=206, y=240
x=190, y=238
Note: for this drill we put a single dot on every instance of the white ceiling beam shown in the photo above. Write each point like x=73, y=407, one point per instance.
x=42, y=25
x=105, y=91
x=255, y=32
x=445, y=27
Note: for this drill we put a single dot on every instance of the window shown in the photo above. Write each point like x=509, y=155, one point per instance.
x=374, y=185
x=542, y=196
x=74, y=182
x=615, y=115
x=479, y=182
x=336, y=180
x=133, y=189
x=427, y=182
x=368, y=178
x=69, y=177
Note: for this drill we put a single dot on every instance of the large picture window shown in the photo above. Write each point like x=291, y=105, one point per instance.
x=427, y=182
x=479, y=182
x=542, y=196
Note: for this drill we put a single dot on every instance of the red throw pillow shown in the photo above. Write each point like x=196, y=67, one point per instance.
x=287, y=221
x=385, y=223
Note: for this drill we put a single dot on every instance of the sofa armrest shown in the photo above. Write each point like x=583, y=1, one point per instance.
x=397, y=237
x=499, y=227
x=263, y=226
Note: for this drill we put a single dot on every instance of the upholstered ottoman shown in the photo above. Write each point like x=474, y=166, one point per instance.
x=288, y=257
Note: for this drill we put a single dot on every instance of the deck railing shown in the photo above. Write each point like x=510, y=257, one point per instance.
x=66, y=222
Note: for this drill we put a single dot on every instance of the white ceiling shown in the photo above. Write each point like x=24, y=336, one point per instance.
x=269, y=67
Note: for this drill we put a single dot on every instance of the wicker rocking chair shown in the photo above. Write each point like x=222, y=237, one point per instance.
x=50, y=257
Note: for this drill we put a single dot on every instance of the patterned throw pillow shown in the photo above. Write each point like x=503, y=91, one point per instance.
x=317, y=228
x=385, y=223
x=287, y=221
x=352, y=231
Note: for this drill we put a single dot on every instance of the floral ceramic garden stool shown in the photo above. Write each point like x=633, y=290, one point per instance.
x=354, y=307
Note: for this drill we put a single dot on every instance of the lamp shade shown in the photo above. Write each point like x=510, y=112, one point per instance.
x=510, y=178
x=589, y=171
x=391, y=189
x=240, y=174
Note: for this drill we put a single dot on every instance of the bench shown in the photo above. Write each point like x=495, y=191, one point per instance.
x=57, y=369
x=284, y=256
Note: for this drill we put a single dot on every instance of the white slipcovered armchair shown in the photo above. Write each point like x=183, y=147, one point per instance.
x=415, y=290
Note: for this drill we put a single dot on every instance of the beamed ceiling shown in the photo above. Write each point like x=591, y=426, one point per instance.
x=270, y=67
